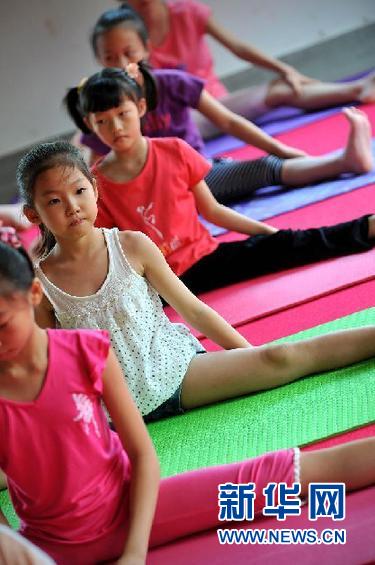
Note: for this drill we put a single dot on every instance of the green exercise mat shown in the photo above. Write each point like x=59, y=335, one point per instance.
x=302, y=412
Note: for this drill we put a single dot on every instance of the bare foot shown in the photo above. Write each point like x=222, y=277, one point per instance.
x=357, y=156
x=367, y=93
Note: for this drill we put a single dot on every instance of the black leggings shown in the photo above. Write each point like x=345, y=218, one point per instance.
x=261, y=254
x=231, y=180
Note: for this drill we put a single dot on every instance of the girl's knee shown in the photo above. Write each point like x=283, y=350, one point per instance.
x=277, y=356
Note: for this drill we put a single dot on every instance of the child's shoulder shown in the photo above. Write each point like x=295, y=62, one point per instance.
x=170, y=145
x=85, y=346
x=135, y=246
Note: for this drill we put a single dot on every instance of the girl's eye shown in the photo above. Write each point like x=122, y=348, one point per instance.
x=80, y=190
x=100, y=122
x=53, y=201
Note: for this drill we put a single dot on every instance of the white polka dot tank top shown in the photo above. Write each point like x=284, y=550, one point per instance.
x=154, y=353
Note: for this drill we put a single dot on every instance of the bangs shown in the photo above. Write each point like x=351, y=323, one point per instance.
x=104, y=94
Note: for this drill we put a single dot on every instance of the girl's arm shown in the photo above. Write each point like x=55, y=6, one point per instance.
x=145, y=473
x=256, y=57
x=236, y=125
x=225, y=217
x=148, y=261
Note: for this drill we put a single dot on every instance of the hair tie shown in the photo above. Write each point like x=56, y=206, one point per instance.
x=81, y=84
x=9, y=236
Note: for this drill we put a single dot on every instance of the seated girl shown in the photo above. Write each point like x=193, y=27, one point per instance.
x=103, y=278
x=119, y=37
x=178, y=33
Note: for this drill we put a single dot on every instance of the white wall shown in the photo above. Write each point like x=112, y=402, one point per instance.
x=44, y=49
x=280, y=27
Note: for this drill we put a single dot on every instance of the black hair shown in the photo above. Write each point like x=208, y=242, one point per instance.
x=40, y=158
x=124, y=14
x=16, y=269
x=106, y=89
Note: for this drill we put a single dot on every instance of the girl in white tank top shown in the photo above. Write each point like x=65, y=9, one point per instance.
x=111, y=280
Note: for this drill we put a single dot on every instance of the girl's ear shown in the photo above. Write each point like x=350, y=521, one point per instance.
x=32, y=215
x=87, y=122
x=36, y=292
x=142, y=107
x=95, y=187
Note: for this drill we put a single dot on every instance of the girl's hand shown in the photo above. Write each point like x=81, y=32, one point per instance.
x=295, y=79
x=287, y=152
x=15, y=550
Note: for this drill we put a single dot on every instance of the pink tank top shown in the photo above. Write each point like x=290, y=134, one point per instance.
x=67, y=471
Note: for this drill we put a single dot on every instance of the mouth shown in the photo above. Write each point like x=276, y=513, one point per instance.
x=76, y=222
x=120, y=137
x=6, y=353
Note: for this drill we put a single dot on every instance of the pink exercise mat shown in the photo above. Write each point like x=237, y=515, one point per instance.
x=256, y=298
x=303, y=316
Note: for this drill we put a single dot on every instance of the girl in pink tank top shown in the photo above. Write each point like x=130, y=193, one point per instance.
x=84, y=493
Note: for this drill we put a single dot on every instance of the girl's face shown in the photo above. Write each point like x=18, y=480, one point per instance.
x=64, y=201
x=119, y=127
x=17, y=320
x=120, y=46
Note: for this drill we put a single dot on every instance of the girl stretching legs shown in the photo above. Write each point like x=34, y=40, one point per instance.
x=118, y=289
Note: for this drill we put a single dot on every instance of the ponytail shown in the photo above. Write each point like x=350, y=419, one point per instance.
x=150, y=88
x=72, y=104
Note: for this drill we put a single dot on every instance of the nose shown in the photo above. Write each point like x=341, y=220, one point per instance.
x=116, y=124
x=72, y=206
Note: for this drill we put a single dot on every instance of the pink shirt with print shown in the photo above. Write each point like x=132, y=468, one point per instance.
x=160, y=203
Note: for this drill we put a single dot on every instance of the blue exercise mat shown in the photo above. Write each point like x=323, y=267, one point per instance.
x=274, y=200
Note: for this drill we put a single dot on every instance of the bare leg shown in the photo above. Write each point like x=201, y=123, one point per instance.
x=356, y=157
x=318, y=94
x=227, y=374
x=3, y=481
x=352, y=463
